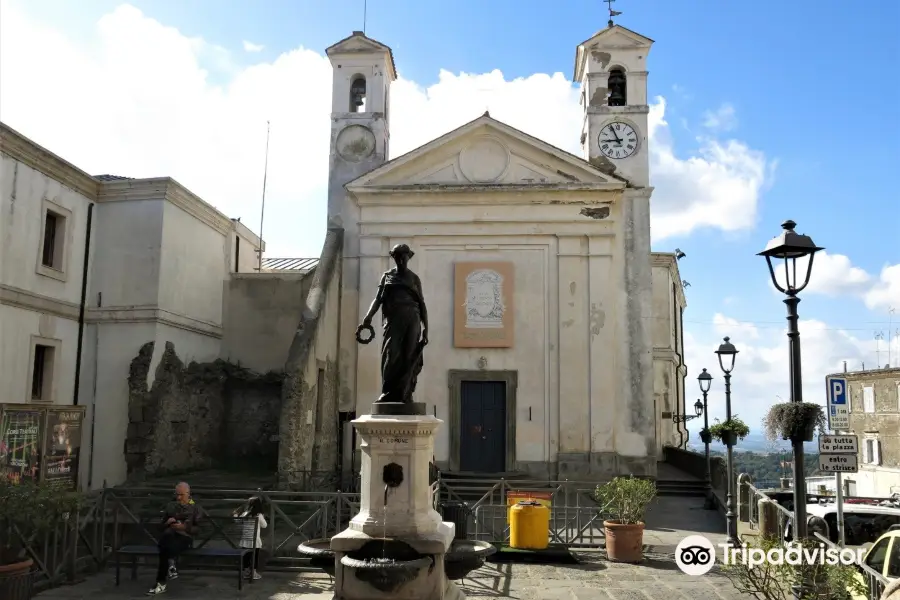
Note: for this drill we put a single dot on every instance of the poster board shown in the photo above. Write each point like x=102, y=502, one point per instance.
x=41, y=442
x=483, y=305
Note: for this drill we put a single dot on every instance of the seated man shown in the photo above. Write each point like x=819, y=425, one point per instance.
x=179, y=521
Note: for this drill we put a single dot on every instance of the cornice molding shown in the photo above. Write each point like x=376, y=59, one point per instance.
x=165, y=188
x=27, y=300
x=21, y=149
x=152, y=314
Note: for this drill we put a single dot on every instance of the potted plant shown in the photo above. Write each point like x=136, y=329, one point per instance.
x=729, y=431
x=623, y=502
x=30, y=510
x=794, y=420
x=705, y=436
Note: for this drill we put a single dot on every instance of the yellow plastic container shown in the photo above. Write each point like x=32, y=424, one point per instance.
x=529, y=526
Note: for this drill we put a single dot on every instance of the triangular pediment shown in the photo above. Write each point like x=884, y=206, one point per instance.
x=486, y=152
x=615, y=37
x=358, y=42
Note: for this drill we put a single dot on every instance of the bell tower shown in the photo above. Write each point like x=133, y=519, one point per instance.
x=363, y=70
x=611, y=68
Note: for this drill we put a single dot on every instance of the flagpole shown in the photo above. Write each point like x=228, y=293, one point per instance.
x=262, y=211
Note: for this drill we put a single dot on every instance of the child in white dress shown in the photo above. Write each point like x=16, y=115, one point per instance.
x=252, y=508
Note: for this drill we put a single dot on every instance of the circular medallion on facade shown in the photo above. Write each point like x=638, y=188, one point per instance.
x=484, y=161
x=355, y=143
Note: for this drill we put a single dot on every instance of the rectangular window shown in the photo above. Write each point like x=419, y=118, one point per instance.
x=869, y=399
x=872, y=451
x=42, y=373
x=48, y=256
x=51, y=254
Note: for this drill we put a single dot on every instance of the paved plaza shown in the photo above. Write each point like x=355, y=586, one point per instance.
x=668, y=521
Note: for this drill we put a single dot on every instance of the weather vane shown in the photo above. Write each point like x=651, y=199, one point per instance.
x=612, y=13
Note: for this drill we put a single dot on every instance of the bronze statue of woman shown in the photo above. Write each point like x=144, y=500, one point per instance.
x=405, y=322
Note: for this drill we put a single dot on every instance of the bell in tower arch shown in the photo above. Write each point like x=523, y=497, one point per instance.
x=357, y=94
x=616, y=84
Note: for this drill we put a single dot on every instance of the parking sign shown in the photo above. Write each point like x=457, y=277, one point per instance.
x=838, y=404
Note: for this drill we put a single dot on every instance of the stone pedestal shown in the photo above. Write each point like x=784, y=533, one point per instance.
x=396, y=504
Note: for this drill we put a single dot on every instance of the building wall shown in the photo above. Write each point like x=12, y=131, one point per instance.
x=669, y=370
x=879, y=468
x=38, y=304
x=577, y=409
x=261, y=314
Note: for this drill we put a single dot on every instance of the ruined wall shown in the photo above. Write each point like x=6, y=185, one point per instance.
x=198, y=416
x=308, y=431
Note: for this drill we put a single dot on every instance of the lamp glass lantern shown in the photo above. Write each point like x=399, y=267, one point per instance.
x=705, y=380
x=727, y=353
x=790, y=247
x=698, y=407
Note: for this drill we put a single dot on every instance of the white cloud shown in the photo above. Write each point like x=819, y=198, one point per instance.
x=251, y=47
x=732, y=327
x=722, y=119
x=141, y=99
x=885, y=293
x=761, y=373
x=835, y=275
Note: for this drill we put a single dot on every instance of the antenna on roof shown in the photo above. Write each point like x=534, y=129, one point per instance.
x=365, y=7
x=262, y=211
x=612, y=13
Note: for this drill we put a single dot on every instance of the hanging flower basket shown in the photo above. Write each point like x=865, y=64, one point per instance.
x=730, y=431
x=705, y=436
x=795, y=421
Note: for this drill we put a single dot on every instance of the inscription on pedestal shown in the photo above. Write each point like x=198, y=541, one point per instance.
x=393, y=440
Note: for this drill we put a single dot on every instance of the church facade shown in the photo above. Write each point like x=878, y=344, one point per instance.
x=551, y=347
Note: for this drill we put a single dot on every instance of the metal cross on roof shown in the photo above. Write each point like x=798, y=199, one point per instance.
x=612, y=13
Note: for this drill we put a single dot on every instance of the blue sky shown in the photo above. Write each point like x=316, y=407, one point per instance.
x=806, y=95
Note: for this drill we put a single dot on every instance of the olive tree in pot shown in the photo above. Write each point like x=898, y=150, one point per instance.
x=730, y=431
x=794, y=420
x=623, y=502
x=30, y=510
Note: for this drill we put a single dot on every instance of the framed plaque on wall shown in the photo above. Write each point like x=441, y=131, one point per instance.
x=483, y=305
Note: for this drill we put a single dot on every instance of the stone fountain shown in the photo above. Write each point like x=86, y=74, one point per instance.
x=397, y=546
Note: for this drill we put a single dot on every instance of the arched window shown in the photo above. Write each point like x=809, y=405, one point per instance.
x=358, y=94
x=618, y=96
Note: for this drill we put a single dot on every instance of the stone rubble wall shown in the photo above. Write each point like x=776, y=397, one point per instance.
x=198, y=416
x=309, y=433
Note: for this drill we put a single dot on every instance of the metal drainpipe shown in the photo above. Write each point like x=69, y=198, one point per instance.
x=84, y=282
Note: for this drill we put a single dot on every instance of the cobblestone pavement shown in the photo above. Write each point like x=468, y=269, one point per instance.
x=594, y=578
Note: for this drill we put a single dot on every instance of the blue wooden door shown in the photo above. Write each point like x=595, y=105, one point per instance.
x=482, y=446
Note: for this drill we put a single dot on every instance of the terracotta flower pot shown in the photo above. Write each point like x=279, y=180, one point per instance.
x=16, y=580
x=624, y=543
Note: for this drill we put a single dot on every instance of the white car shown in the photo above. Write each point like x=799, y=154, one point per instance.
x=863, y=523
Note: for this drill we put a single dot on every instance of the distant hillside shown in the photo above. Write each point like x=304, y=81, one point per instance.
x=755, y=442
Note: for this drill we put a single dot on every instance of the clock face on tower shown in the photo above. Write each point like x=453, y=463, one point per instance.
x=617, y=140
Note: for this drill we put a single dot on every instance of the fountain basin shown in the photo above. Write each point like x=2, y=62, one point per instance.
x=386, y=565
x=464, y=556
x=320, y=554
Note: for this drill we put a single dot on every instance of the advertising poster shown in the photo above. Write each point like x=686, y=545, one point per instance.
x=61, y=452
x=20, y=444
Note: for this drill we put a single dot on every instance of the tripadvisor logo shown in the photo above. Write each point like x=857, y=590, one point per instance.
x=696, y=555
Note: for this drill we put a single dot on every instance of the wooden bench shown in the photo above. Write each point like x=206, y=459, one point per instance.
x=209, y=546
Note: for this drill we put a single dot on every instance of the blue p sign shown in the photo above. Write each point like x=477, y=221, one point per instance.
x=838, y=394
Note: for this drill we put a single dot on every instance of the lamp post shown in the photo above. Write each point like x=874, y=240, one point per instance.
x=727, y=353
x=705, y=381
x=790, y=246
x=698, y=410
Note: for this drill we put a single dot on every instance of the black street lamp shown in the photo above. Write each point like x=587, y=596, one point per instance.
x=790, y=246
x=705, y=381
x=698, y=409
x=727, y=353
